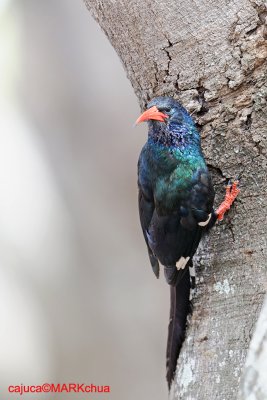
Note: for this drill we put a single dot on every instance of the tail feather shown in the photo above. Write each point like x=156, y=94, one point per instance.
x=179, y=309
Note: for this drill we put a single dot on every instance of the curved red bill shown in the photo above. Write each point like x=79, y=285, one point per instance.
x=152, y=113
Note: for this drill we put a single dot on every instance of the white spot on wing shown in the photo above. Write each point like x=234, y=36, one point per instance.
x=204, y=223
x=181, y=263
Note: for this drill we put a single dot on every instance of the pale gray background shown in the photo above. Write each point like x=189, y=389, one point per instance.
x=78, y=298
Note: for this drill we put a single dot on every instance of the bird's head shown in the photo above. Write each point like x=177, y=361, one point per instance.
x=163, y=111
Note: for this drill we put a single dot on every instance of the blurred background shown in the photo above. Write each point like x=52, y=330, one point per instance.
x=78, y=300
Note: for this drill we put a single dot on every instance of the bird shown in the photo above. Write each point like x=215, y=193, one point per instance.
x=176, y=207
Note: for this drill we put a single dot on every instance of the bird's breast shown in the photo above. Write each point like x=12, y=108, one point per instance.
x=169, y=193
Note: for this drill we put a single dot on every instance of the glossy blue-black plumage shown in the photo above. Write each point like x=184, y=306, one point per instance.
x=175, y=190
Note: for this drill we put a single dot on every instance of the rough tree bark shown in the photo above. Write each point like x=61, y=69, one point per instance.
x=254, y=384
x=211, y=55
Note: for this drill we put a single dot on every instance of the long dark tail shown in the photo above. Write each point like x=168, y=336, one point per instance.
x=179, y=309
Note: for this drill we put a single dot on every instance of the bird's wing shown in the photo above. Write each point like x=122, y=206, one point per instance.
x=174, y=233
x=198, y=207
x=146, y=210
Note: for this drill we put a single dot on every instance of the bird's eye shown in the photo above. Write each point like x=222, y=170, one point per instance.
x=166, y=109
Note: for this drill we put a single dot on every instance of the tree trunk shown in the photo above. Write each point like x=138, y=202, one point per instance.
x=253, y=384
x=211, y=56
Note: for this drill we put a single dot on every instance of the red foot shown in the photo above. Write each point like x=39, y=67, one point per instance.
x=230, y=195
